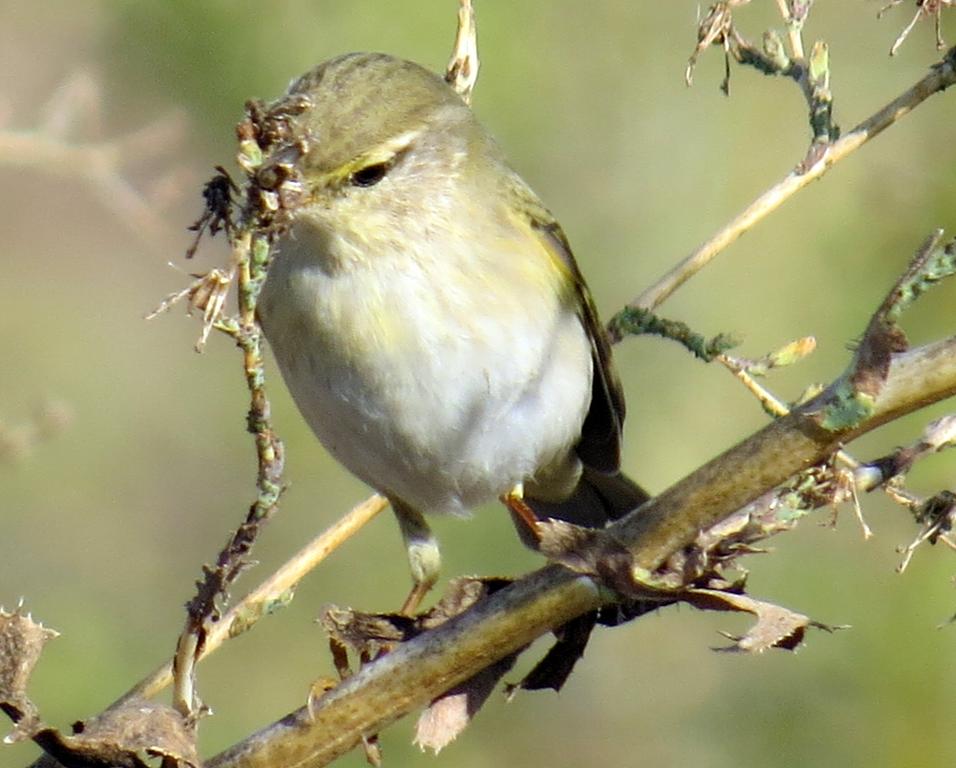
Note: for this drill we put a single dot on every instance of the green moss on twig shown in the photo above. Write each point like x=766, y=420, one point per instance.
x=634, y=321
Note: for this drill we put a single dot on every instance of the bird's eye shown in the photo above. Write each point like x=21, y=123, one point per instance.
x=370, y=175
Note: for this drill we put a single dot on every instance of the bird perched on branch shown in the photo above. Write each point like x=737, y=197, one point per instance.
x=427, y=314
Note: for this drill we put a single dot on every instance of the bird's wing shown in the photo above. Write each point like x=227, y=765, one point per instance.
x=600, y=444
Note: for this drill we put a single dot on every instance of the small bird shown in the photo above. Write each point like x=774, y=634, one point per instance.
x=428, y=316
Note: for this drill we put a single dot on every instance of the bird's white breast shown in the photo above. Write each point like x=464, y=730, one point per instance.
x=441, y=378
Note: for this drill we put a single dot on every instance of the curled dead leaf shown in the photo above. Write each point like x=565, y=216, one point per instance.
x=21, y=642
x=776, y=627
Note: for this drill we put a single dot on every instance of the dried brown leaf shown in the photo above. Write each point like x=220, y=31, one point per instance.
x=21, y=642
x=123, y=737
x=776, y=627
x=449, y=714
x=589, y=551
x=368, y=635
x=558, y=663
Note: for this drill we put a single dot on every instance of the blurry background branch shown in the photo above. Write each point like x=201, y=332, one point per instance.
x=60, y=144
x=19, y=439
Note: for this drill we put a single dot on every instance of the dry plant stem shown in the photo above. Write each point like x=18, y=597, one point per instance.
x=462, y=70
x=417, y=671
x=273, y=591
x=777, y=407
x=250, y=255
x=462, y=74
x=184, y=677
x=942, y=76
x=793, y=30
x=771, y=403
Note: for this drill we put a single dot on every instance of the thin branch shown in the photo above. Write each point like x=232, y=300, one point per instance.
x=746, y=371
x=776, y=407
x=462, y=70
x=274, y=592
x=794, y=24
x=941, y=77
x=250, y=257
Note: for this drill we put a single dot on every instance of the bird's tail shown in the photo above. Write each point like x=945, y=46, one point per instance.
x=597, y=500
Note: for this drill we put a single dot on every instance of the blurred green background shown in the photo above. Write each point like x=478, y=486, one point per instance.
x=105, y=525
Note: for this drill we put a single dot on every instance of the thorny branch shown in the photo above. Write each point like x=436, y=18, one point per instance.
x=250, y=259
